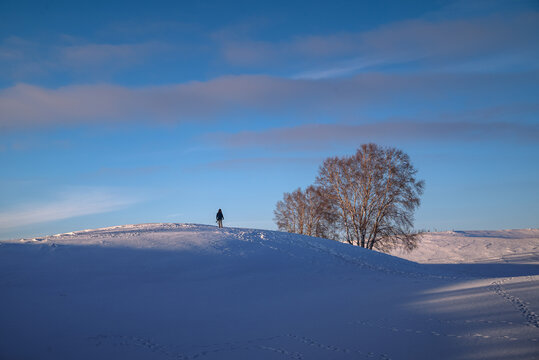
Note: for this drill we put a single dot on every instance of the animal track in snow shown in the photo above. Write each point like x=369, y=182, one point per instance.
x=437, y=333
x=531, y=317
x=311, y=342
x=263, y=344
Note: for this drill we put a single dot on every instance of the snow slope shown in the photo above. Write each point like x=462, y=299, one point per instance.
x=182, y=291
x=502, y=246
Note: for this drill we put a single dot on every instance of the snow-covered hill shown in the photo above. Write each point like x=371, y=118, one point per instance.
x=182, y=291
x=501, y=246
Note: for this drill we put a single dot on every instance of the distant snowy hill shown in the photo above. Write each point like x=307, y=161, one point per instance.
x=501, y=246
x=184, y=291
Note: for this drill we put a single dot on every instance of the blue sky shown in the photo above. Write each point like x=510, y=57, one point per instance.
x=122, y=112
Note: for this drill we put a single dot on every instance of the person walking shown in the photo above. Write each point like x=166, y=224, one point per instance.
x=220, y=218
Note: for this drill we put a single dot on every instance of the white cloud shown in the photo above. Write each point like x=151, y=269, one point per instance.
x=341, y=69
x=71, y=203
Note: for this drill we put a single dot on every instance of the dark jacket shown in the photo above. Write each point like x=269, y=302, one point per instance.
x=219, y=215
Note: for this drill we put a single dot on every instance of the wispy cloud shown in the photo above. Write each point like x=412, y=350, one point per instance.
x=100, y=54
x=27, y=105
x=325, y=135
x=71, y=203
x=344, y=68
x=434, y=42
x=23, y=59
x=472, y=40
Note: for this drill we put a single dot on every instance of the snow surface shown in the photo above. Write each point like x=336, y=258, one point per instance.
x=502, y=246
x=184, y=291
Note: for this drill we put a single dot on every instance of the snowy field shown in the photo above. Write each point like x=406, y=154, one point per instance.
x=455, y=247
x=181, y=291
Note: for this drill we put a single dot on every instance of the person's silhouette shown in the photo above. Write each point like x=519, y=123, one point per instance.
x=220, y=218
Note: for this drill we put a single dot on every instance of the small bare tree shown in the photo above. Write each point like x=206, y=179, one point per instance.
x=284, y=214
x=376, y=193
x=306, y=212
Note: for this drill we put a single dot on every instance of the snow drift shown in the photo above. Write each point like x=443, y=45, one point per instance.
x=183, y=291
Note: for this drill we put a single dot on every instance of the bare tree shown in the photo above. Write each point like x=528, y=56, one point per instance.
x=306, y=212
x=367, y=199
x=376, y=194
x=284, y=214
x=290, y=212
x=319, y=213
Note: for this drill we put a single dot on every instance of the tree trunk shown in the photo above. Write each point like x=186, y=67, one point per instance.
x=371, y=242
